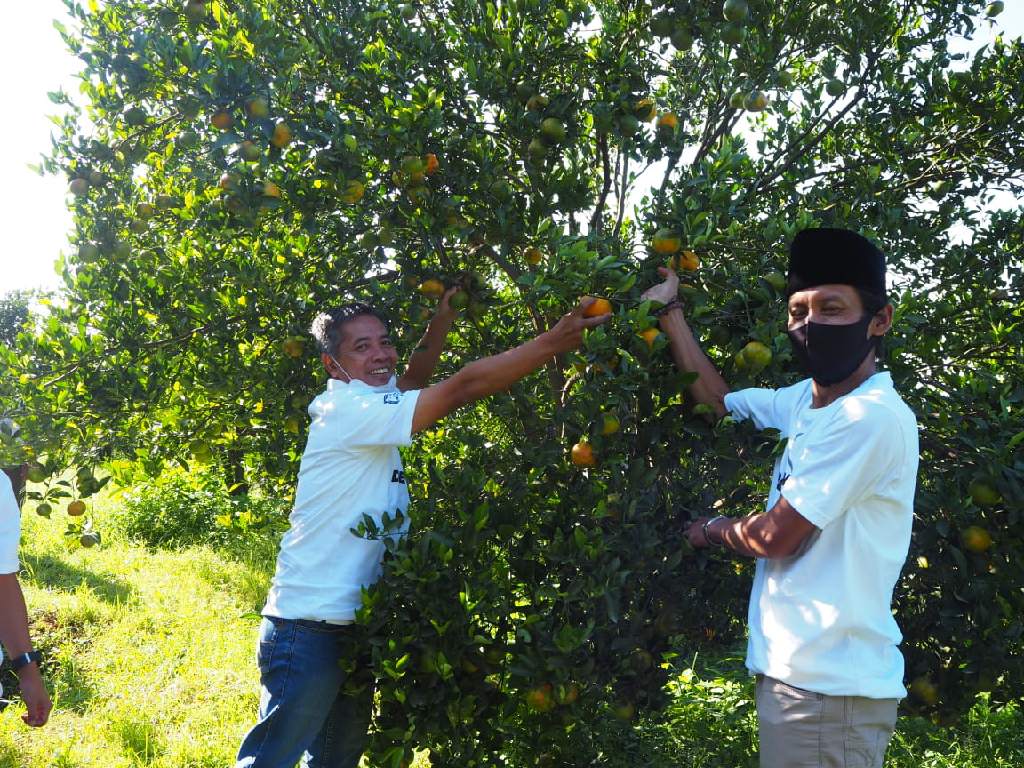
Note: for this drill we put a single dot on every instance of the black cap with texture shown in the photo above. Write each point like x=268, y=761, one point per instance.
x=826, y=255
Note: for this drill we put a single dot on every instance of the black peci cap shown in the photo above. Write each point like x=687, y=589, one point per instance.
x=824, y=255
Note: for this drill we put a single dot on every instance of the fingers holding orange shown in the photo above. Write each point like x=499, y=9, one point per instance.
x=594, y=306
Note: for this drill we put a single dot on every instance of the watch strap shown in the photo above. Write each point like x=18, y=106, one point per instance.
x=19, y=661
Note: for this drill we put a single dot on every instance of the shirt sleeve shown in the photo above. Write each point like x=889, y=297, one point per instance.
x=10, y=527
x=379, y=419
x=765, y=407
x=840, y=465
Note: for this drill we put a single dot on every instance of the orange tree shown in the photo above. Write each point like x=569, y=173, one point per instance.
x=240, y=163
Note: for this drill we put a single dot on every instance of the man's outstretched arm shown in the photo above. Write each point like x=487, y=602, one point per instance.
x=423, y=360
x=709, y=388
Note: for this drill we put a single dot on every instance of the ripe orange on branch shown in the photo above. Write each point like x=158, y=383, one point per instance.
x=597, y=308
x=353, y=192
x=222, y=120
x=666, y=242
x=649, y=335
x=76, y=508
x=432, y=288
x=282, y=135
x=976, y=539
x=582, y=455
x=687, y=260
x=668, y=122
x=540, y=699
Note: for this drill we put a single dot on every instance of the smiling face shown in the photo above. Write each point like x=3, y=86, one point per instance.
x=365, y=352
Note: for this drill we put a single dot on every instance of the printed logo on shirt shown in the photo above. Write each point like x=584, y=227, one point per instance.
x=392, y=398
x=398, y=476
x=785, y=472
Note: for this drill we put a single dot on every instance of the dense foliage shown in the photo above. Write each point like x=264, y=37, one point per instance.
x=241, y=163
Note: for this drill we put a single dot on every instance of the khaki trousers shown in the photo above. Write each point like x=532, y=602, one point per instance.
x=802, y=729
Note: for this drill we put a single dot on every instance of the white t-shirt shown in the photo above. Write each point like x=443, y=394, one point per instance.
x=10, y=527
x=10, y=532
x=350, y=468
x=822, y=619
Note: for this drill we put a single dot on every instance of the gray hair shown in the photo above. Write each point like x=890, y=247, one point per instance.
x=328, y=325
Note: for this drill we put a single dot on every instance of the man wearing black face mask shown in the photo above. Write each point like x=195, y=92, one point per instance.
x=822, y=639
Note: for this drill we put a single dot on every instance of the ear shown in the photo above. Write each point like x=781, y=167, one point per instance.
x=882, y=321
x=328, y=365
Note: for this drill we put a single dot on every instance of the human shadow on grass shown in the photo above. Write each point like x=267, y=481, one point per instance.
x=50, y=573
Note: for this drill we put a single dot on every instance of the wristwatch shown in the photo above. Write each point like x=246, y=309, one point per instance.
x=19, y=661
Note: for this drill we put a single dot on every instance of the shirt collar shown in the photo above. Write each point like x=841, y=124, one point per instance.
x=357, y=386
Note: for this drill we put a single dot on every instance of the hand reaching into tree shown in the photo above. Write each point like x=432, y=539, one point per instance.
x=666, y=291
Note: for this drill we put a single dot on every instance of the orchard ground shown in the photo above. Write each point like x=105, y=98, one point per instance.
x=150, y=659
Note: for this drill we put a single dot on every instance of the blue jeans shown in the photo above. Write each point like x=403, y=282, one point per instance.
x=306, y=712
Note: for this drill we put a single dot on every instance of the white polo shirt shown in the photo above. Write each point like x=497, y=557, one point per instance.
x=350, y=468
x=822, y=619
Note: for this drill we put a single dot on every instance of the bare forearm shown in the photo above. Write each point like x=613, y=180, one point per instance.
x=13, y=616
x=499, y=372
x=741, y=535
x=779, y=532
x=709, y=388
x=423, y=360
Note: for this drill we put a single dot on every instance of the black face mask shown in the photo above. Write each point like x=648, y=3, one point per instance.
x=830, y=353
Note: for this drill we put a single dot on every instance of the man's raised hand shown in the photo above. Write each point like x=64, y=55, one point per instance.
x=666, y=291
x=567, y=333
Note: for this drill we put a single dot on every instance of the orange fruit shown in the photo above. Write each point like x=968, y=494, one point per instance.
x=583, y=455
x=222, y=120
x=688, y=260
x=540, y=699
x=430, y=163
x=644, y=109
x=353, y=192
x=756, y=356
x=598, y=308
x=431, y=288
x=976, y=539
x=609, y=424
x=666, y=242
x=668, y=121
x=292, y=347
x=257, y=107
x=533, y=256
x=568, y=694
x=649, y=335
x=282, y=135
x=270, y=189
x=228, y=180
x=76, y=508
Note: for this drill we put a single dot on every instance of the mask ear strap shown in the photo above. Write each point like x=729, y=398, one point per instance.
x=340, y=368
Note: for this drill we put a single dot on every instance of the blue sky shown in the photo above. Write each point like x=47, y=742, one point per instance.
x=34, y=217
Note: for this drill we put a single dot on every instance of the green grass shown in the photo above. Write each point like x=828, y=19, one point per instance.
x=151, y=663
x=151, y=653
